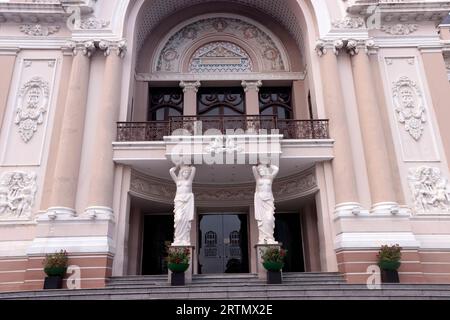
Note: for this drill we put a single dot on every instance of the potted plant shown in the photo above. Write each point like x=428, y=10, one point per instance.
x=178, y=262
x=389, y=261
x=273, y=262
x=55, y=266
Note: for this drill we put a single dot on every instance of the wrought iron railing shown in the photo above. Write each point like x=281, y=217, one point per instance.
x=157, y=130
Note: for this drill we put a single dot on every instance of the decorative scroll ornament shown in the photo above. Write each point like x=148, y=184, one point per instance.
x=409, y=105
x=38, y=30
x=17, y=194
x=430, y=190
x=400, y=29
x=31, y=107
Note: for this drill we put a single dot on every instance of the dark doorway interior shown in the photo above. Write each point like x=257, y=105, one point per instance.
x=288, y=231
x=158, y=234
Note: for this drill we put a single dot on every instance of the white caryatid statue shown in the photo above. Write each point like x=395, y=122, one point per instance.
x=265, y=202
x=184, y=204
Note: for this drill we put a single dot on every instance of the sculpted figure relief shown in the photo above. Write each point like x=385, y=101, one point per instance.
x=17, y=193
x=265, y=202
x=184, y=203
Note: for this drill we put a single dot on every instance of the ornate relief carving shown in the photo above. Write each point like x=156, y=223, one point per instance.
x=171, y=55
x=220, y=57
x=430, y=190
x=400, y=29
x=222, y=145
x=38, y=30
x=17, y=193
x=284, y=189
x=93, y=23
x=31, y=107
x=350, y=23
x=409, y=105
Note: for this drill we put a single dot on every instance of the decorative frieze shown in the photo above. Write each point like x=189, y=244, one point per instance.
x=31, y=107
x=400, y=29
x=430, y=189
x=409, y=105
x=17, y=194
x=284, y=189
x=38, y=30
x=350, y=23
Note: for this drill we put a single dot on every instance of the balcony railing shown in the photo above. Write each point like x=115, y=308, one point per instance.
x=157, y=130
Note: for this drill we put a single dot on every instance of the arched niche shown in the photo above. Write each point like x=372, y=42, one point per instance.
x=220, y=43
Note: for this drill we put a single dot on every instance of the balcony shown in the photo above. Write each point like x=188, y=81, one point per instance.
x=200, y=125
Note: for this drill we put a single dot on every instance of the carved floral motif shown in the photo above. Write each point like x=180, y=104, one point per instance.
x=17, y=193
x=409, y=105
x=31, y=107
x=430, y=190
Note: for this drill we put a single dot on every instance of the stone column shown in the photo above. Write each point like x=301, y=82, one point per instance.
x=437, y=77
x=251, y=89
x=67, y=167
x=190, y=89
x=101, y=185
x=375, y=150
x=7, y=64
x=346, y=196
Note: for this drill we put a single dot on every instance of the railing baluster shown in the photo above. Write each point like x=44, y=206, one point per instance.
x=156, y=130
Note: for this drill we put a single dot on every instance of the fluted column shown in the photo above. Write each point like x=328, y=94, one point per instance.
x=346, y=195
x=190, y=89
x=251, y=89
x=101, y=184
x=67, y=167
x=375, y=150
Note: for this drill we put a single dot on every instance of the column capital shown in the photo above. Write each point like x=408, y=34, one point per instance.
x=351, y=46
x=354, y=46
x=252, y=85
x=190, y=86
x=118, y=47
x=322, y=46
x=86, y=48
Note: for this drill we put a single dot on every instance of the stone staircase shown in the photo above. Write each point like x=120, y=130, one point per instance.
x=296, y=286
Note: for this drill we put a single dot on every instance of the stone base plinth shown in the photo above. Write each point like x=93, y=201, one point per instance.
x=189, y=272
x=260, y=249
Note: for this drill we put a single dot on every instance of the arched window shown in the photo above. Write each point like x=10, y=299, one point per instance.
x=165, y=103
x=221, y=101
x=276, y=101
